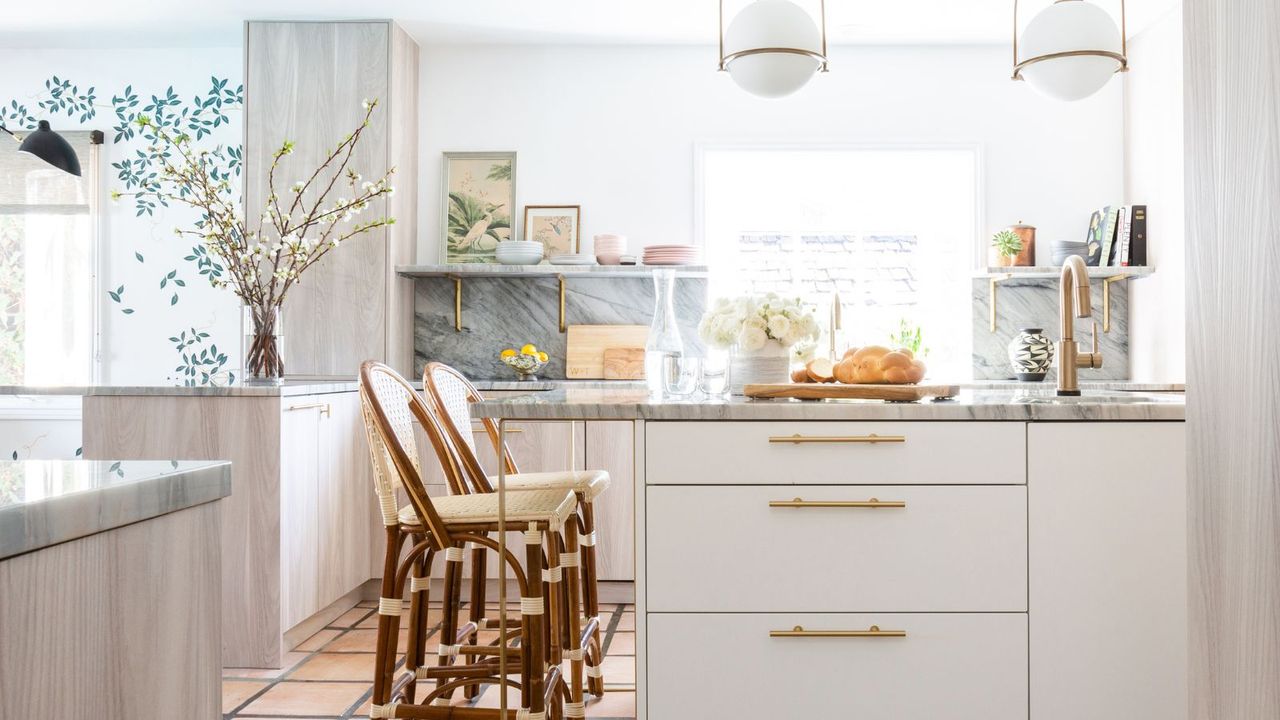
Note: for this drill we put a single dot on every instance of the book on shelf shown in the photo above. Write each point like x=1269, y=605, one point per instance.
x=1120, y=250
x=1138, y=236
x=1102, y=235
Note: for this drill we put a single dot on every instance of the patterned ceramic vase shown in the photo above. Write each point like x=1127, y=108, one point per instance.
x=1031, y=354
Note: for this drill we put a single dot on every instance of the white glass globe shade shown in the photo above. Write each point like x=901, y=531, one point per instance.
x=772, y=24
x=1064, y=27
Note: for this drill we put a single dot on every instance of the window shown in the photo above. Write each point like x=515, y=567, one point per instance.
x=46, y=268
x=892, y=231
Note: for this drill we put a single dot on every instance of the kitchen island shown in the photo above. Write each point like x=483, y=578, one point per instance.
x=109, y=583
x=1006, y=554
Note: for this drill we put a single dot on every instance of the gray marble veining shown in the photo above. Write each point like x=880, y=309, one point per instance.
x=499, y=313
x=1015, y=405
x=1022, y=303
x=290, y=388
x=46, y=502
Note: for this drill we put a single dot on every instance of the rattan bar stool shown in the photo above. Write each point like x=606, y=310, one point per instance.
x=443, y=526
x=452, y=394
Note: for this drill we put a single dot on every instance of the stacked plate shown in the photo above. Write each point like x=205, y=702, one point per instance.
x=610, y=248
x=519, y=252
x=672, y=255
x=573, y=259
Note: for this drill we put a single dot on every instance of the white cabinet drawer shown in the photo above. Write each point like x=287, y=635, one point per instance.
x=835, y=453
x=948, y=667
x=950, y=549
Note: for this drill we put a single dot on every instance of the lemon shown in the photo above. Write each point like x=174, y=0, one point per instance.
x=508, y=353
x=529, y=349
x=542, y=357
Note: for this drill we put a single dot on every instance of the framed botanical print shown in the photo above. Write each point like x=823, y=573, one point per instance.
x=479, y=202
x=555, y=226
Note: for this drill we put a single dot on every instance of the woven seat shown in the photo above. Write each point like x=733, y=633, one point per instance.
x=550, y=506
x=588, y=482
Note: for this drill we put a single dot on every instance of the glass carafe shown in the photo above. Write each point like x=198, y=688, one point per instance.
x=664, y=334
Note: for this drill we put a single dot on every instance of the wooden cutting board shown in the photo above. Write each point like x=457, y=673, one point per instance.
x=838, y=391
x=584, y=354
x=624, y=363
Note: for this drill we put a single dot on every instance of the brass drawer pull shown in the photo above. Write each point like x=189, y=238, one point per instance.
x=872, y=503
x=325, y=408
x=873, y=632
x=871, y=439
x=481, y=428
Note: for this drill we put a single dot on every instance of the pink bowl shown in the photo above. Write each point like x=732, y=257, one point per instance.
x=609, y=258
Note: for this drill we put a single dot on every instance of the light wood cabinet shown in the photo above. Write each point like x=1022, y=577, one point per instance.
x=611, y=446
x=299, y=526
x=1108, y=570
x=306, y=82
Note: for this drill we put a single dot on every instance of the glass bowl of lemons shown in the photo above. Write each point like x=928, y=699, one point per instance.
x=526, y=361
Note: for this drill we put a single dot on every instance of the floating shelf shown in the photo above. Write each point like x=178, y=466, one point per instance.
x=1052, y=273
x=593, y=271
x=1108, y=275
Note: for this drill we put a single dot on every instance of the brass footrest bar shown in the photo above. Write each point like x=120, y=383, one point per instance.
x=873, y=632
x=871, y=439
x=872, y=503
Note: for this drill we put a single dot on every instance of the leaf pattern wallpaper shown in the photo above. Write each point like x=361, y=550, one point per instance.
x=147, y=278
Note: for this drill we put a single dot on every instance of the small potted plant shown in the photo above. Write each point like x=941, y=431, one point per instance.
x=1005, y=247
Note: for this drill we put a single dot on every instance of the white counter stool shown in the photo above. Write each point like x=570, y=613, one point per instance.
x=452, y=393
x=442, y=526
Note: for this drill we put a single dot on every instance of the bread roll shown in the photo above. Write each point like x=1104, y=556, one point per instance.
x=894, y=359
x=907, y=352
x=896, y=375
x=820, y=370
x=800, y=375
x=846, y=371
x=916, y=372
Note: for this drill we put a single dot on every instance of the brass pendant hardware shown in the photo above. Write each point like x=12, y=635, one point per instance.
x=821, y=56
x=873, y=632
x=1121, y=57
x=871, y=439
x=872, y=503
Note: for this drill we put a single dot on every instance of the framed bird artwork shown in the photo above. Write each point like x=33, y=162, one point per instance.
x=479, y=200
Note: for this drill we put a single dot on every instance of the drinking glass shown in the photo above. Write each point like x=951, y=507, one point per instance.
x=679, y=375
x=713, y=379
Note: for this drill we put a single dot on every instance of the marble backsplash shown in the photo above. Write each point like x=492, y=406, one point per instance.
x=505, y=312
x=1034, y=303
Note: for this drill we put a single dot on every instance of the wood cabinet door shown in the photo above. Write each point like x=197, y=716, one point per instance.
x=1108, y=570
x=347, y=505
x=300, y=468
x=611, y=447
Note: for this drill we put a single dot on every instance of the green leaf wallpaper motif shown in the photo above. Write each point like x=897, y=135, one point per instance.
x=136, y=170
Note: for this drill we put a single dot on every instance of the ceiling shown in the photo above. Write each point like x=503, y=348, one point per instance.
x=187, y=23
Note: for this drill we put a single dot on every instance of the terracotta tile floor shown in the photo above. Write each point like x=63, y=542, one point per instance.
x=329, y=676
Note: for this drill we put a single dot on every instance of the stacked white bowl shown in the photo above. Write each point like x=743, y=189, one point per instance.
x=610, y=248
x=519, y=252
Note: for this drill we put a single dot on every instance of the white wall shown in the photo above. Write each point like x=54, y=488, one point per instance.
x=135, y=348
x=1154, y=176
x=613, y=128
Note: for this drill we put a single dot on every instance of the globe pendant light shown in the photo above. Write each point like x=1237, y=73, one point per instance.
x=1072, y=48
x=773, y=47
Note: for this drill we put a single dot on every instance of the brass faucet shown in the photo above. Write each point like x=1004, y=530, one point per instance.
x=1073, y=290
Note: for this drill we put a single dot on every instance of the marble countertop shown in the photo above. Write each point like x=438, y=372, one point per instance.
x=1013, y=405
x=46, y=502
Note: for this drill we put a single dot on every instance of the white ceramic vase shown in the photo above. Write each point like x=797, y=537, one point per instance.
x=769, y=364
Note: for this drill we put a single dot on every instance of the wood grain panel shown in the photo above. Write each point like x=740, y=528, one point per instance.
x=402, y=154
x=611, y=447
x=305, y=81
x=346, y=499
x=301, y=471
x=1232, y=127
x=246, y=431
x=123, y=624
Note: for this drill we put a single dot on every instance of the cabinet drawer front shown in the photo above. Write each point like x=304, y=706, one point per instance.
x=949, y=549
x=955, y=666
x=835, y=453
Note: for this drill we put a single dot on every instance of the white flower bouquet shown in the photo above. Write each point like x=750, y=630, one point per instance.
x=750, y=322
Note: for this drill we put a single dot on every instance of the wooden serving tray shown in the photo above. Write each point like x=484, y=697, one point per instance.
x=838, y=391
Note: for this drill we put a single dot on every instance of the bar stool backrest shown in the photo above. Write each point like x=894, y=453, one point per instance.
x=452, y=394
x=390, y=405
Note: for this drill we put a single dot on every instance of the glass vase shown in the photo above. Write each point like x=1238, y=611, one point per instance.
x=263, y=351
x=664, y=334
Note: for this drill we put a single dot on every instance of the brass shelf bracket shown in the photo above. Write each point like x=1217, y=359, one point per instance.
x=992, y=291
x=563, y=326
x=1106, y=300
x=457, y=304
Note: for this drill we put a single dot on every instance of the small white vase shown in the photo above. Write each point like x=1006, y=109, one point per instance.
x=770, y=364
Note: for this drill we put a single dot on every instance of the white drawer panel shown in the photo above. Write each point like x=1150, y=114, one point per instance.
x=948, y=667
x=835, y=453
x=950, y=549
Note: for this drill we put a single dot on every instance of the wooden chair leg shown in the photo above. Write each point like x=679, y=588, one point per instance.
x=448, y=648
x=571, y=561
x=591, y=595
x=478, y=578
x=413, y=654
x=388, y=627
x=533, y=617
